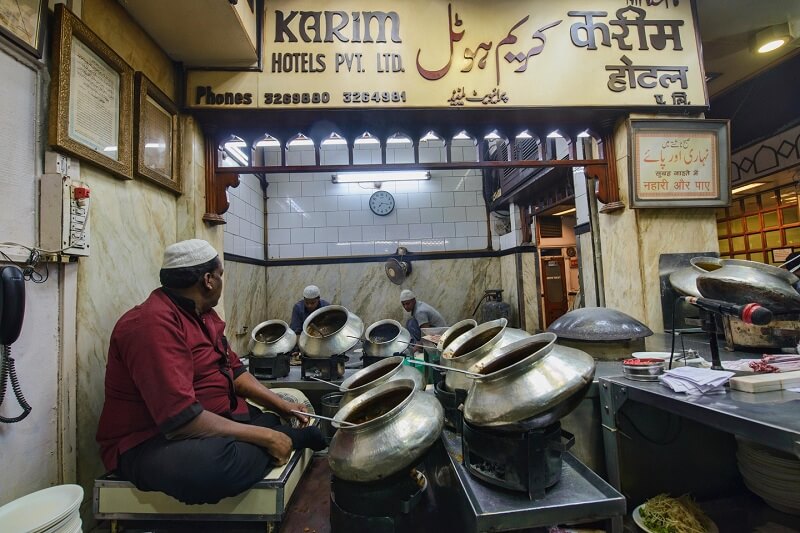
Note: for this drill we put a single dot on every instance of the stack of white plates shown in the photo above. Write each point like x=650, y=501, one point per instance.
x=773, y=475
x=51, y=510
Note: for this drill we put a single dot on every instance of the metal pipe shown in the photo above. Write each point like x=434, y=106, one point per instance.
x=594, y=224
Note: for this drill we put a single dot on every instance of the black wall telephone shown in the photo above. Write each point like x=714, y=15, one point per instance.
x=12, y=311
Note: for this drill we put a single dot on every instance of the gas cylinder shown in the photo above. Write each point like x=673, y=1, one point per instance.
x=494, y=307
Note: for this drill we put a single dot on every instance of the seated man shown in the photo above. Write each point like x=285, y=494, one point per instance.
x=310, y=303
x=175, y=418
x=422, y=315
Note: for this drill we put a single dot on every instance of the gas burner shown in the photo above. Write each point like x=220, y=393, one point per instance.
x=451, y=402
x=528, y=461
x=327, y=368
x=269, y=367
x=386, y=505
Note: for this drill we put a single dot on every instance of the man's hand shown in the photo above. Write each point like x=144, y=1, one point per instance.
x=286, y=412
x=279, y=446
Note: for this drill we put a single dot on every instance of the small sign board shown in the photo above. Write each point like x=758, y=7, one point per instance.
x=679, y=163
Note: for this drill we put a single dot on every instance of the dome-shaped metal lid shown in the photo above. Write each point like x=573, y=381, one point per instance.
x=598, y=324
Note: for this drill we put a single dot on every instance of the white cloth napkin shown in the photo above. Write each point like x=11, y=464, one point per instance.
x=693, y=380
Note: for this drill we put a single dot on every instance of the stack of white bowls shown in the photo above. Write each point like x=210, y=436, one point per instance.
x=773, y=475
x=51, y=510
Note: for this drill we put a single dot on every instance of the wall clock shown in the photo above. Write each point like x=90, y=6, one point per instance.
x=381, y=203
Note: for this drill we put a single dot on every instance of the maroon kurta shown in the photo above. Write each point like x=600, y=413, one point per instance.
x=165, y=366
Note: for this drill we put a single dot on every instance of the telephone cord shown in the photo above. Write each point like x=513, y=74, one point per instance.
x=10, y=373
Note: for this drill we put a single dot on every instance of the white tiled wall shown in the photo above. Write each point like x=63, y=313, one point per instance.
x=309, y=216
x=244, y=228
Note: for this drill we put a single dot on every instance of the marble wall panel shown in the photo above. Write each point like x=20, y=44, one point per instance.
x=452, y=286
x=530, y=292
x=508, y=281
x=243, y=279
x=632, y=241
x=586, y=274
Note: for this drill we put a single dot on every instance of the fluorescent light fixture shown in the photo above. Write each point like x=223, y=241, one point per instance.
x=155, y=145
x=747, y=187
x=772, y=38
x=565, y=212
x=380, y=177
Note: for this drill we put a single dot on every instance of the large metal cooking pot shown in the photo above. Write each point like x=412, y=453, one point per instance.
x=529, y=384
x=271, y=338
x=684, y=280
x=389, y=369
x=472, y=346
x=385, y=338
x=742, y=282
x=454, y=332
x=602, y=332
x=395, y=426
x=330, y=330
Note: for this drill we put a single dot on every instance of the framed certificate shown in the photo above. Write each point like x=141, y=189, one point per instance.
x=679, y=163
x=156, y=135
x=21, y=21
x=91, y=97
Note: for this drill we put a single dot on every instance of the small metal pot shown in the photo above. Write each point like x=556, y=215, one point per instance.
x=395, y=426
x=742, y=282
x=473, y=346
x=529, y=384
x=271, y=338
x=385, y=338
x=389, y=369
x=330, y=330
x=454, y=332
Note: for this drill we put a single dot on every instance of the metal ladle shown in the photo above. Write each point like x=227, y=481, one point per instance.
x=313, y=415
x=323, y=381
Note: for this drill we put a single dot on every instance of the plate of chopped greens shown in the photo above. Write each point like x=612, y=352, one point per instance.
x=663, y=514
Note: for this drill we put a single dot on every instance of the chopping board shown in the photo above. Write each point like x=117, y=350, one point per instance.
x=766, y=382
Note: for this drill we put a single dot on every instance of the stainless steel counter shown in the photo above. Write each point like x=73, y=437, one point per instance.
x=579, y=497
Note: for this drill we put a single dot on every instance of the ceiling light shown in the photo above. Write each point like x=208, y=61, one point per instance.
x=771, y=38
x=747, y=187
x=380, y=177
x=565, y=212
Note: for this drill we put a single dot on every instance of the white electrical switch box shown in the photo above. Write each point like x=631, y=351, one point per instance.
x=63, y=215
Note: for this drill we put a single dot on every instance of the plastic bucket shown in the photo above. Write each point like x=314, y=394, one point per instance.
x=330, y=406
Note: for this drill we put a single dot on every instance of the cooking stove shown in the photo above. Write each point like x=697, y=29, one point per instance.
x=269, y=367
x=451, y=402
x=526, y=461
x=385, y=506
x=327, y=368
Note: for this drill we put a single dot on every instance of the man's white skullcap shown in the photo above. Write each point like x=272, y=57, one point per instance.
x=406, y=295
x=311, y=292
x=188, y=253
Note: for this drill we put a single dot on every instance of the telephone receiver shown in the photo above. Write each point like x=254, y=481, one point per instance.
x=12, y=312
x=12, y=304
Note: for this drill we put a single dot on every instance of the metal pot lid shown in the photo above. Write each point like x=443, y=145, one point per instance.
x=598, y=324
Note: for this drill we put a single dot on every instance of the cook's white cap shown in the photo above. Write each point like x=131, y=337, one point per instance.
x=311, y=292
x=406, y=295
x=188, y=253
